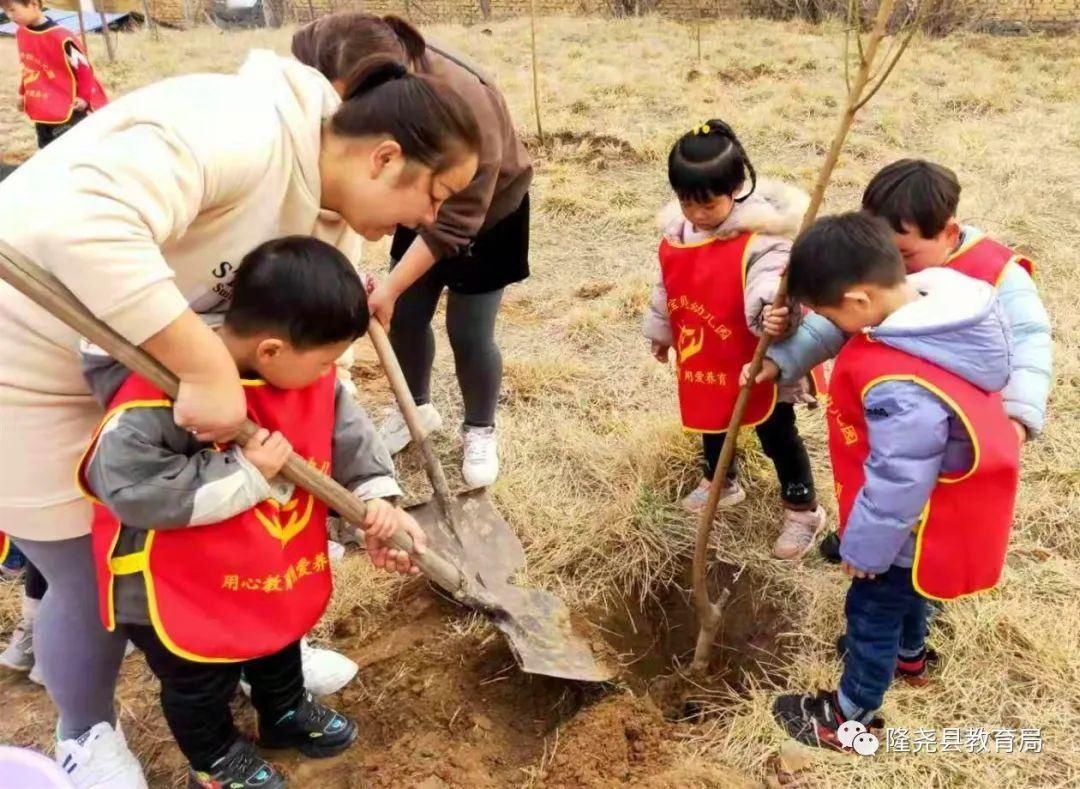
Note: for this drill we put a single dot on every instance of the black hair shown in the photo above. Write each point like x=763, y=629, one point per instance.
x=913, y=192
x=839, y=252
x=300, y=288
x=433, y=125
x=708, y=162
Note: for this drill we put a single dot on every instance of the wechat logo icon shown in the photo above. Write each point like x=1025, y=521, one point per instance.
x=854, y=735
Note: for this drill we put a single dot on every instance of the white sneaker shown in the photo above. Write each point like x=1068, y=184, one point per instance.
x=325, y=671
x=395, y=433
x=480, y=467
x=731, y=495
x=100, y=759
x=19, y=655
x=35, y=675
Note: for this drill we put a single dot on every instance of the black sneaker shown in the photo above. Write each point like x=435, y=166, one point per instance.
x=915, y=672
x=829, y=548
x=240, y=768
x=317, y=731
x=814, y=720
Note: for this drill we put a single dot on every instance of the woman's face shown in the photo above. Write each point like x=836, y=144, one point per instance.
x=375, y=188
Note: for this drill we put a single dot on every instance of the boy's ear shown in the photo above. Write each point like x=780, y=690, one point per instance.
x=856, y=297
x=952, y=232
x=269, y=349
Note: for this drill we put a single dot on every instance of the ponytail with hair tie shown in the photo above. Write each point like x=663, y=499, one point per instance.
x=709, y=161
x=371, y=72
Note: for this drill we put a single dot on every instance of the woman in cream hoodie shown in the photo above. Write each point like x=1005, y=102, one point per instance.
x=144, y=211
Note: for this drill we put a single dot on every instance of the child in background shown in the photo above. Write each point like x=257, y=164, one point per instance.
x=724, y=249
x=19, y=653
x=213, y=563
x=58, y=86
x=923, y=515
x=919, y=200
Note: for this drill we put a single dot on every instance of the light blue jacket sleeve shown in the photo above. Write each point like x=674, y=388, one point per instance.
x=1026, y=392
x=816, y=340
x=908, y=429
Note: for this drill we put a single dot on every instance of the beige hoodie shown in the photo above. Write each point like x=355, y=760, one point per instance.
x=143, y=209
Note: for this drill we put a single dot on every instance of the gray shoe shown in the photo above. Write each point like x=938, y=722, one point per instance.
x=19, y=655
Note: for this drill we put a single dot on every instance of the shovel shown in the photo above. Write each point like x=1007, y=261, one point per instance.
x=536, y=624
x=468, y=529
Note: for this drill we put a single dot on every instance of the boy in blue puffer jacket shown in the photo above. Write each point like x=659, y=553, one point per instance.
x=919, y=200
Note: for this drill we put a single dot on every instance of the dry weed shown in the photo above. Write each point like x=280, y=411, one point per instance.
x=594, y=460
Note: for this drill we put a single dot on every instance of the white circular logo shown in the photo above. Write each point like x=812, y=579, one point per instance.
x=848, y=731
x=865, y=744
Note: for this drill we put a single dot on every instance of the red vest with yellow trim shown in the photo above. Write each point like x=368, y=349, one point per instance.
x=5, y=546
x=986, y=259
x=48, y=80
x=964, y=531
x=705, y=286
x=248, y=586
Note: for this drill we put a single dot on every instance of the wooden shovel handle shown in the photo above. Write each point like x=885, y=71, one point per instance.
x=50, y=294
x=389, y=361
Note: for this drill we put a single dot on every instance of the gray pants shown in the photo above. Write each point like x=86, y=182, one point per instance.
x=470, y=323
x=78, y=657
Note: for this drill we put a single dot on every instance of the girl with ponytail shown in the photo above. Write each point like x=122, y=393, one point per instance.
x=725, y=246
x=476, y=245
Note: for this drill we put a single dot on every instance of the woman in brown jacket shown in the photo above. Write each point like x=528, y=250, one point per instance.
x=477, y=245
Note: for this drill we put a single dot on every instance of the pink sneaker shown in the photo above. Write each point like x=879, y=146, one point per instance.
x=732, y=494
x=800, y=528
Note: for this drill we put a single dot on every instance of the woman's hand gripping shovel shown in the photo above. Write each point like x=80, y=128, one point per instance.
x=467, y=529
x=536, y=623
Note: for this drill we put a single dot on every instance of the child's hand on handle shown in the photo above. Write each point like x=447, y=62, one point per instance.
x=660, y=351
x=855, y=572
x=769, y=372
x=380, y=523
x=80, y=104
x=268, y=452
x=775, y=320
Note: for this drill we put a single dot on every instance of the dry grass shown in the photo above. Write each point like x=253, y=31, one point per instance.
x=594, y=461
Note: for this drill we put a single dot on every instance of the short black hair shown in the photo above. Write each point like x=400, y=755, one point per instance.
x=839, y=252
x=709, y=161
x=914, y=192
x=300, y=288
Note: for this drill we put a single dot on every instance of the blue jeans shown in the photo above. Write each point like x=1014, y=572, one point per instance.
x=886, y=617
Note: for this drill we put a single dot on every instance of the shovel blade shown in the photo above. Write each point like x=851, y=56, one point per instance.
x=485, y=542
x=535, y=622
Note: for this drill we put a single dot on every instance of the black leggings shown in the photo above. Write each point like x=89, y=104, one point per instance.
x=195, y=696
x=34, y=583
x=784, y=446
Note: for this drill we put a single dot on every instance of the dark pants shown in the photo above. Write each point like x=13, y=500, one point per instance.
x=34, y=582
x=885, y=617
x=47, y=132
x=195, y=696
x=784, y=446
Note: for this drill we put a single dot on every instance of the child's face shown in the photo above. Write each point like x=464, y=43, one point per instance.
x=707, y=215
x=280, y=364
x=24, y=14
x=921, y=253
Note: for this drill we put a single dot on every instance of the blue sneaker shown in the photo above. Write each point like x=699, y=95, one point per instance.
x=240, y=768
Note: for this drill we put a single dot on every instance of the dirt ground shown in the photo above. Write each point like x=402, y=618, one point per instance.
x=594, y=462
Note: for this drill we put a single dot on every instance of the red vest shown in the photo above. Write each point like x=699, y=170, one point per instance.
x=248, y=586
x=964, y=531
x=48, y=80
x=705, y=283
x=986, y=259
x=5, y=546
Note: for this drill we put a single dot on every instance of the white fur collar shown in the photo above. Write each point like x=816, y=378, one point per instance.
x=774, y=209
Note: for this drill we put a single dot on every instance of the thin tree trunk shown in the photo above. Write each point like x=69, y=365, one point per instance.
x=535, y=72
x=110, y=45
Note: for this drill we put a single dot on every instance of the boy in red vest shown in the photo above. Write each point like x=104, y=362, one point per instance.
x=919, y=200
x=924, y=459
x=58, y=86
x=211, y=562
